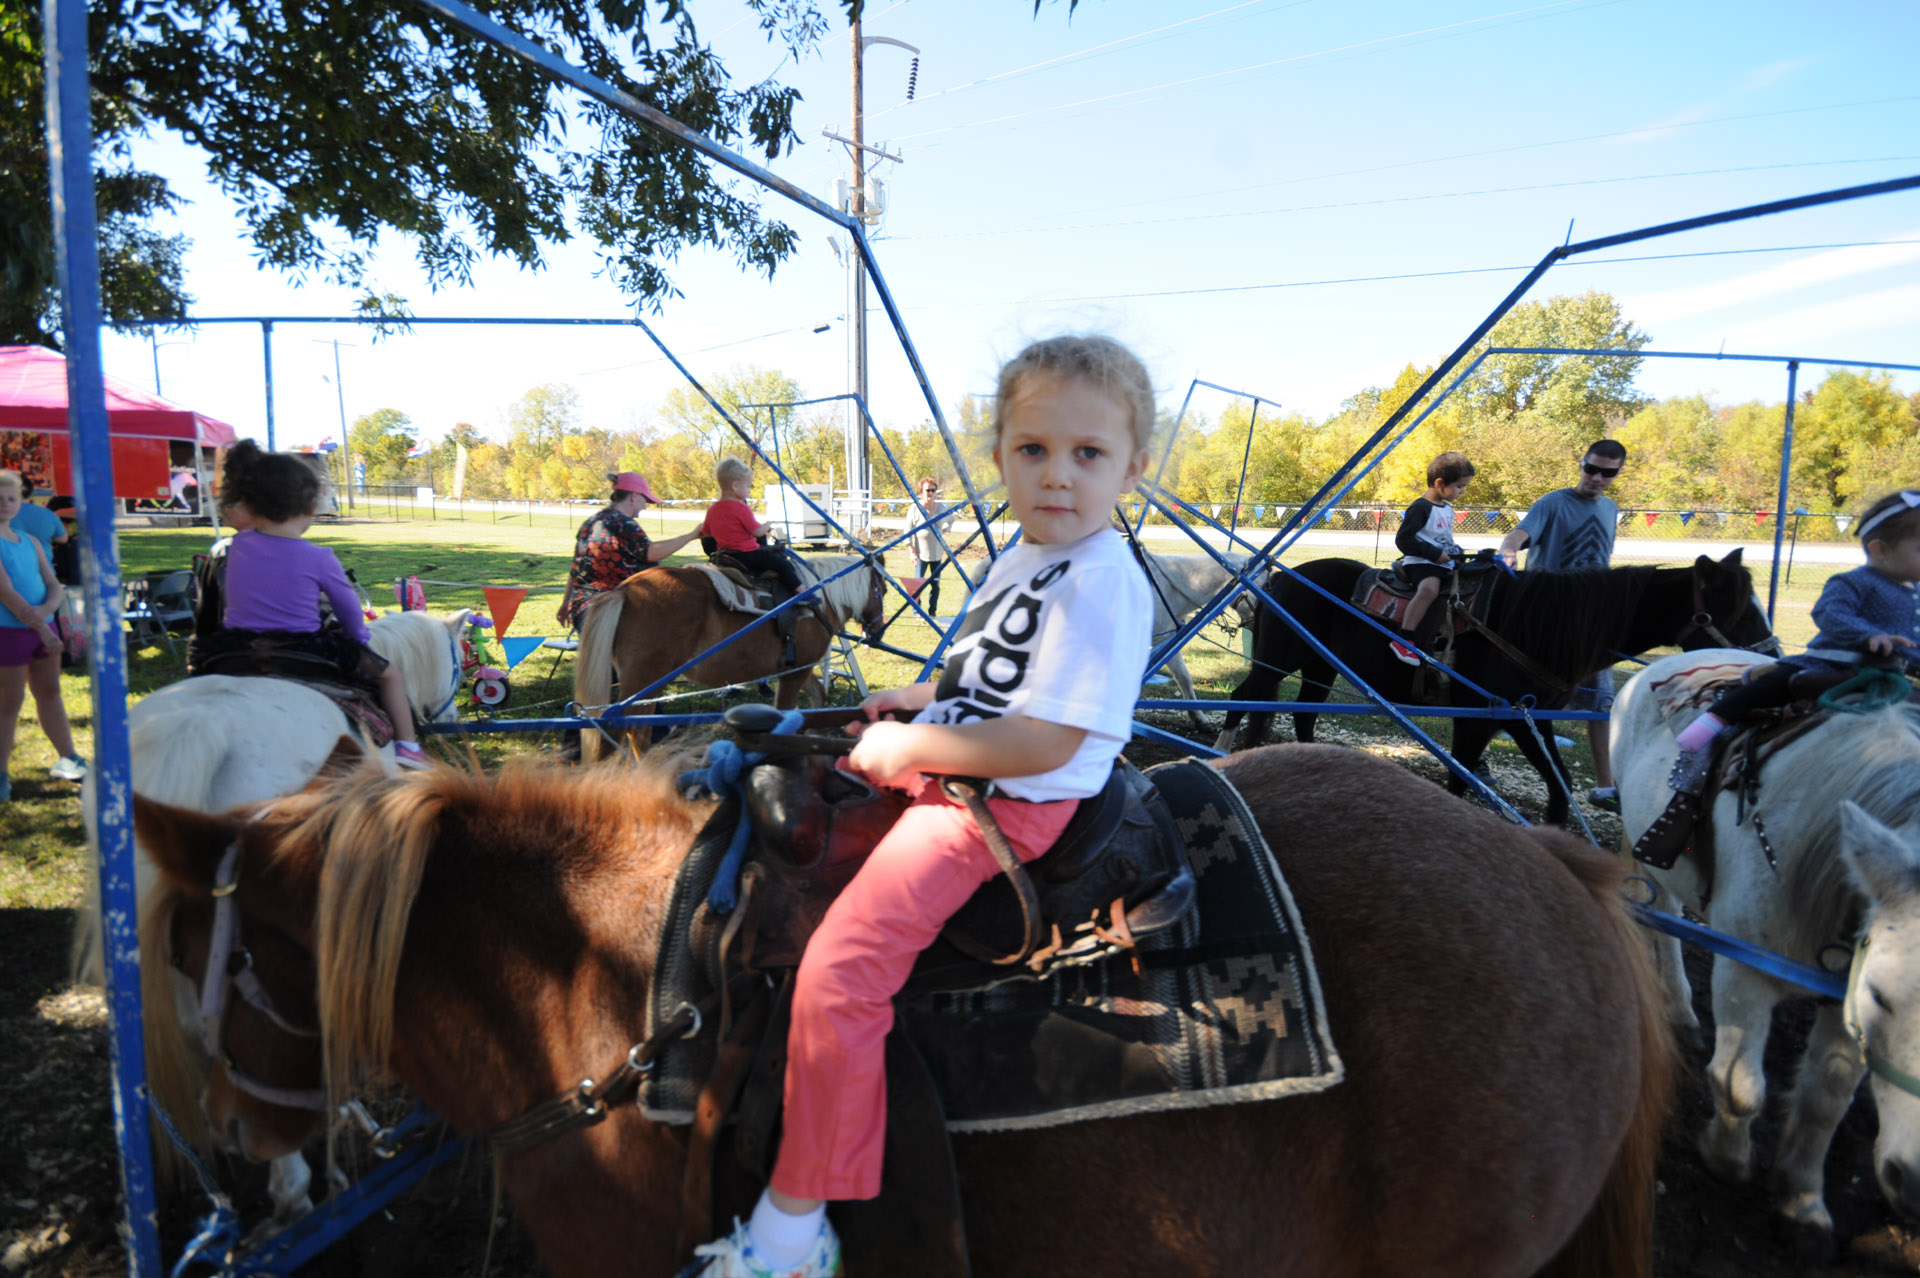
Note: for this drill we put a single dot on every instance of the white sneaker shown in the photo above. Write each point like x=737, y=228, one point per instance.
x=733, y=1257
x=71, y=768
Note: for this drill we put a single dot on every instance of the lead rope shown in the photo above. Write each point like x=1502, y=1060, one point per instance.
x=220, y=1227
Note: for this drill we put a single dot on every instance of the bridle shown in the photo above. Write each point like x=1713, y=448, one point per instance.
x=230, y=969
x=873, y=621
x=1702, y=621
x=459, y=677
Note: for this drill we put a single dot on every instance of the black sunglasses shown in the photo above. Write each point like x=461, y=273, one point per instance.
x=1605, y=472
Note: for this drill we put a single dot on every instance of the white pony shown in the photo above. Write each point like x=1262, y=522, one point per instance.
x=216, y=742
x=1840, y=808
x=1180, y=585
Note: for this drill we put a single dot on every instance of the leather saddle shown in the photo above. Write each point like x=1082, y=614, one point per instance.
x=1386, y=592
x=768, y=592
x=1735, y=764
x=1118, y=872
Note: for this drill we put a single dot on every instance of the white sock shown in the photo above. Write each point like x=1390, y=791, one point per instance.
x=782, y=1241
x=1697, y=735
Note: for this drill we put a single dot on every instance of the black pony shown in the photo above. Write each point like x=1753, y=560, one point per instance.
x=1568, y=624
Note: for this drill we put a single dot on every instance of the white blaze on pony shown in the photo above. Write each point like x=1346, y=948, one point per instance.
x=216, y=742
x=1840, y=807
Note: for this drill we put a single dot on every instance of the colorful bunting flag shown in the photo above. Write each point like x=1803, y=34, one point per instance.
x=1493, y=517
x=1459, y=517
x=502, y=603
x=1652, y=515
x=1216, y=510
x=1259, y=512
x=519, y=648
x=1841, y=521
x=1762, y=516
x=1686, y=517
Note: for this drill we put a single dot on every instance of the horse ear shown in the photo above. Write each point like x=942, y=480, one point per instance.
x=1884, y=864
x=1733, y=560
x=345, y=756
x=184, y=845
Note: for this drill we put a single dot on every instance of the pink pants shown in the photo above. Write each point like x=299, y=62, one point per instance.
x=923, y=871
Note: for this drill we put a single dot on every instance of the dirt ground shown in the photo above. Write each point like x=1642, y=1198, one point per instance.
x=59, y=1188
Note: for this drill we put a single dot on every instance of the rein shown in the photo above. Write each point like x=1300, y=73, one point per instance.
x=229, y=968
x=1702, y=620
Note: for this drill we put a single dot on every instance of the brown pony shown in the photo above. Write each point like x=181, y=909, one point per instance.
x=657, y=620
x=488, y=943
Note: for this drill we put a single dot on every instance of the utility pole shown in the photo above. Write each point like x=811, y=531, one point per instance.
x=861, y=480
x=340, y=400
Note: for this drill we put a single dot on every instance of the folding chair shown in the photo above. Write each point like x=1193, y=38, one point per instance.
x=157, y=604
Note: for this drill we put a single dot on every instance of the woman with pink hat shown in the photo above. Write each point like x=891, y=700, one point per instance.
x=610, y=547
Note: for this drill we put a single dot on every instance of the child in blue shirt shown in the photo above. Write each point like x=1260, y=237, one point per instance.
x=1867, y=612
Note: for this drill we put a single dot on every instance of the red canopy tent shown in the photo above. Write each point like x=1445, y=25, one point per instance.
x=33, y=401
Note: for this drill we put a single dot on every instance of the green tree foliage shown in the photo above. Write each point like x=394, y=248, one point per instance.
x=687, y=412
x=1854, y=437
x=140, y=270
x=383, y=437
x=332, y=121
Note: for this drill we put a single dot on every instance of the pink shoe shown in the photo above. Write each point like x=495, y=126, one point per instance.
x=1404, y=653
x=408, y=754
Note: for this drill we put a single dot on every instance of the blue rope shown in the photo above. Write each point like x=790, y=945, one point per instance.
x=726, y=764
x=220, y=1227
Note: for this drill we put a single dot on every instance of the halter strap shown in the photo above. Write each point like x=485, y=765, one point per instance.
x=459, y=677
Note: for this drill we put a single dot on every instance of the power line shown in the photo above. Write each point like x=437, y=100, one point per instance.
x=1424, y=275
x=1078, y=54
x=1401, y=199
x=1257, y=66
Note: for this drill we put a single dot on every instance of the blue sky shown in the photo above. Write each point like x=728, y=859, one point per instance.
x=1183, y=175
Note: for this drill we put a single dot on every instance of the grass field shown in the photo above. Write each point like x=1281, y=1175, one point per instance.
x=42, y=840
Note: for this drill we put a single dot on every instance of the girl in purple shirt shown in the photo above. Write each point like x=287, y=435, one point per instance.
x=274, y=581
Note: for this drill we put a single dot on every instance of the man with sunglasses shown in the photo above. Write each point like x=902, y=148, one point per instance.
x=1571, y=530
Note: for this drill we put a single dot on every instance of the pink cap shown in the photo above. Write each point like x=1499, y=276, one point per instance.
x=628, y=482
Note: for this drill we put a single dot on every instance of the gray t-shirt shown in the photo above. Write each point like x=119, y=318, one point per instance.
x=1570, y=533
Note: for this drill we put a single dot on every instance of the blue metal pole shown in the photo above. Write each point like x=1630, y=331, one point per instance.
x=1246, y=456
x=76, y=251
x=1780, y=502
x=266, y=362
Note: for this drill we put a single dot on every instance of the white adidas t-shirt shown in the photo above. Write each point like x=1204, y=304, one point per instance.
x=1061, y=634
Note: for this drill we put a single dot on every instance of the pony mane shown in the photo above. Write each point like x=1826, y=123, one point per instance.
x=1873, y=759
x=375, y=834
x=848, y=595
x=1563, y=620
x=418, y=643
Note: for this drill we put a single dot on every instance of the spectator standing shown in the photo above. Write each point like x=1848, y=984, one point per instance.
x=1571, y=530
x=930, y=555
x=30, y=646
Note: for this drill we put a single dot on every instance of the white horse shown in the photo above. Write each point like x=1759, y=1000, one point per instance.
x=1180, y=585
x=217, y=742
x=1829, y=804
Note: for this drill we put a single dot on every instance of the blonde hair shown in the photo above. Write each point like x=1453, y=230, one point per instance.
x=731, y=469
x=11, y=478
x=1099, y=361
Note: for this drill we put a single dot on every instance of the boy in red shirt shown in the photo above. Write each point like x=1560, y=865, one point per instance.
x=737, y=530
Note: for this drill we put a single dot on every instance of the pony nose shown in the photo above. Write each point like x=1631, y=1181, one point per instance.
x=1901, y=1187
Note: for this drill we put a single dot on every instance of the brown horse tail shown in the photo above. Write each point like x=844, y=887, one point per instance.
x=1616, y=1238
x=593, y=663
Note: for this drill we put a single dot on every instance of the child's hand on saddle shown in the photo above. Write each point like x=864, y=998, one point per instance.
x=887, y=753
x=1883, y=645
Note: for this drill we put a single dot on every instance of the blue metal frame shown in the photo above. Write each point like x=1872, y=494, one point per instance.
x=76, y=251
